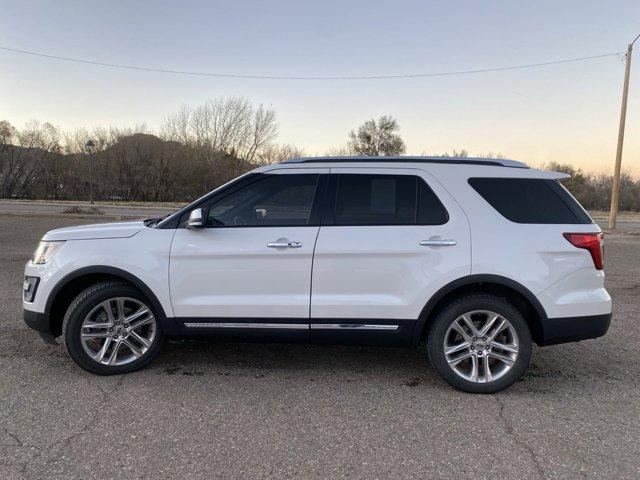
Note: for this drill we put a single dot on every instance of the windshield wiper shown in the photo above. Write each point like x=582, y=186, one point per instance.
x=149, y=222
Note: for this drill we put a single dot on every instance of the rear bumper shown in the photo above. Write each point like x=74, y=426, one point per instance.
x=573, y=329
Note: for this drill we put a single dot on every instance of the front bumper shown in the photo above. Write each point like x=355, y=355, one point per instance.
x=573, y=329
x=39, y=322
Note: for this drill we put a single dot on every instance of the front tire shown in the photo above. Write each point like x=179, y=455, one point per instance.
x=479, y=343
x=111, y=329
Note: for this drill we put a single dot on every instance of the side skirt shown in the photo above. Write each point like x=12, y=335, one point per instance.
x=320, y=331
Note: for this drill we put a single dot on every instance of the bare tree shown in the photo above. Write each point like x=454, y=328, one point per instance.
x=463, y=153
x=23, y=154
x=7, y=131
x=279, y=153
x=39, y=161
x=232, y=125
x=176, y=126
x=264, y=130
x=343, y=151
x=377, y=138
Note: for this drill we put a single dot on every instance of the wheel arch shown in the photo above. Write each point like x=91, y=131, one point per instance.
x=522, y=298
x=69, y=286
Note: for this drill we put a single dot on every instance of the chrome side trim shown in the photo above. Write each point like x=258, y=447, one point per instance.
x=351, y=326
x=292, y=326
x=287, y=326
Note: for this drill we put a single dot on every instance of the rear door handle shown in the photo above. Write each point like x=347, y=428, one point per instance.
x=440, y=242
x=284, y=243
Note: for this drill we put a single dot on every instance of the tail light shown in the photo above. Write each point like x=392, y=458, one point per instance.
x=593, y=242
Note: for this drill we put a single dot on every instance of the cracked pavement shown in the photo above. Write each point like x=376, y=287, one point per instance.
x=224, y=410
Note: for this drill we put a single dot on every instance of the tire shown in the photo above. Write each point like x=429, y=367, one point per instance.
x=505, y=367
x=85, y=329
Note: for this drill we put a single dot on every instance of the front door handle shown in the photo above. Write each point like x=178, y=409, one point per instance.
x=439, y=242
x=284, y=243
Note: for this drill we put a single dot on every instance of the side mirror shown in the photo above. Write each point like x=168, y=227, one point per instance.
x=196, y=219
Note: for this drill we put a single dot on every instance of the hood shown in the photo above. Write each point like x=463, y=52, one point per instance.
x=92, y=232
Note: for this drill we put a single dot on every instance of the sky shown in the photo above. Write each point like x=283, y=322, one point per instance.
x=567, y=113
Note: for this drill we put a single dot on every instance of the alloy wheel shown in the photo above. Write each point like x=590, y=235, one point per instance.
x=481, y=346
x=118, y=331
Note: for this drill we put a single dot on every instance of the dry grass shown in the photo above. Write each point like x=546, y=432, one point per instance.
x=602, y=215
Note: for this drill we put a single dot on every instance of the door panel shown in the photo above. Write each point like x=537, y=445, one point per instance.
x=246, y=265
x=231, y=272
x=383, y=271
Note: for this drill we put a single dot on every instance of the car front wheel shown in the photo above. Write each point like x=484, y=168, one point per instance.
x=110, y=329
x=480, y=343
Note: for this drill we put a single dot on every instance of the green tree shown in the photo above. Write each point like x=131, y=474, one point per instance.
x=377, y=138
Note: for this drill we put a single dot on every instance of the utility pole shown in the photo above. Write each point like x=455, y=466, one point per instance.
x=89, y=145
x=615, y=189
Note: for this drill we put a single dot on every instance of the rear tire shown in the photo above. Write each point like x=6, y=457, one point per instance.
x=110, y=328
x=479, y=343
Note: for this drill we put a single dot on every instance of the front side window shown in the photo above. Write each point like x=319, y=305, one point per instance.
x=272, y=201
x=386, y=200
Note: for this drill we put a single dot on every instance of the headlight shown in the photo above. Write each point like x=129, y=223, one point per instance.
x=45, y=252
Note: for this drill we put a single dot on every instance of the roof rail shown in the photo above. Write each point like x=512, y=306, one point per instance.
x=496, y=162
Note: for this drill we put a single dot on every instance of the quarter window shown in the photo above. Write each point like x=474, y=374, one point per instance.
x=275, y=200
x=386, y=200
x=531, y=200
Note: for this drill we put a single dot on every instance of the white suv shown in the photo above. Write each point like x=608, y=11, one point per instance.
x=476, y=258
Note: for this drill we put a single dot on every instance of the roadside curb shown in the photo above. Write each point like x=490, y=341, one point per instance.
x=74, y=215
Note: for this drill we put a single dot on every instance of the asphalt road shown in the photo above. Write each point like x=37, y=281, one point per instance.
x=42, y=207
x=205, y=410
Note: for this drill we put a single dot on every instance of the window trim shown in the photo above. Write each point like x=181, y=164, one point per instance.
x=178, y=218
x=331, y=199
x=314, y=215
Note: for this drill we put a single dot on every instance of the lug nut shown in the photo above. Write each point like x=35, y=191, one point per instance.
x=484, y=339
x=472, y=347
x=110, y=330
x=115, y=337
x=475, y=339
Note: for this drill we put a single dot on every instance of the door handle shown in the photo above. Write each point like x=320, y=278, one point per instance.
x=438, y=242
x=283, y=243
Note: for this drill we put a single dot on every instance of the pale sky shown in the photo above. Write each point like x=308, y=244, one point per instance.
x=568, y=113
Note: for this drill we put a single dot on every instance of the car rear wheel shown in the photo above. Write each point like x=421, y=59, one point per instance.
x=110, y=328
x=480, y=344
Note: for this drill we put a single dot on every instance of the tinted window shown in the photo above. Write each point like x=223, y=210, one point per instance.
x=386, y=200
x=525, y=200
x=275, y=200
x=430, y=210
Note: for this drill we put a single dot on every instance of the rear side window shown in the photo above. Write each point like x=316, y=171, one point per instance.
x=386, y=200
x=531, y=200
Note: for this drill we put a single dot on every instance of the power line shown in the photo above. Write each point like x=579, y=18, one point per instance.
x=328, y=77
